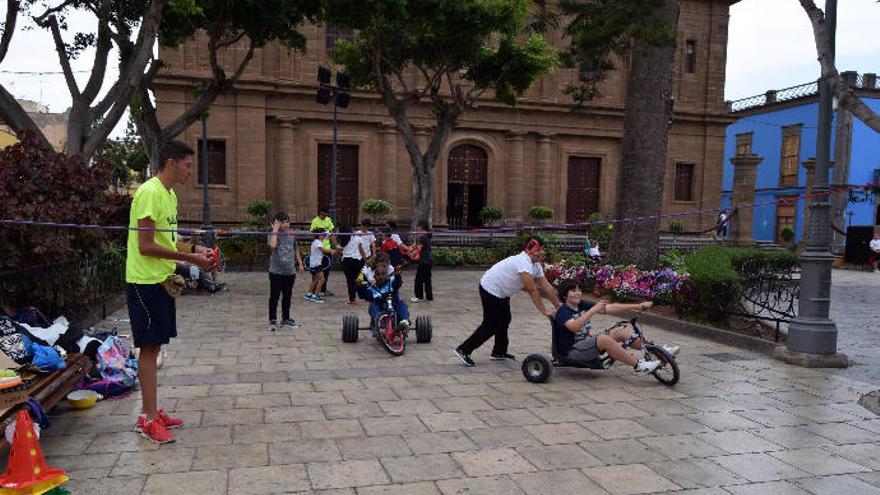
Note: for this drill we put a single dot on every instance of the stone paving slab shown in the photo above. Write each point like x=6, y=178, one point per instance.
x=297, y=410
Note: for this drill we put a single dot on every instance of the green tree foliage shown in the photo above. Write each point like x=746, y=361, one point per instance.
x=246, y=24
x=460, y=50
x=125, y=156
x=601, y=29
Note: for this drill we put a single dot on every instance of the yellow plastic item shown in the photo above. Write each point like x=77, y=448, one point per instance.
x=82, y=399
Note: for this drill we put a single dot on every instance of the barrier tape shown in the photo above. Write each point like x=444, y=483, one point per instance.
x=532, y=228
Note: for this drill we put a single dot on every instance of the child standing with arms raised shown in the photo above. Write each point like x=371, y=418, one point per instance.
x=283, y=263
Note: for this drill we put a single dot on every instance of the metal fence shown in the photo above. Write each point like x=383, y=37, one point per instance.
x=76, y=288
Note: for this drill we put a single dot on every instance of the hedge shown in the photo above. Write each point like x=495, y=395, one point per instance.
x=717, y=275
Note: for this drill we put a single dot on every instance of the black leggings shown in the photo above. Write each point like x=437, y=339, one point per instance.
x=280, y=285
x=352, y=267
x=423, y=289
x=496, y=320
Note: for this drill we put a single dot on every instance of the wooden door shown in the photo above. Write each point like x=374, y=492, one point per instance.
x=346, y=181
x=466, y=186
x=582, y=197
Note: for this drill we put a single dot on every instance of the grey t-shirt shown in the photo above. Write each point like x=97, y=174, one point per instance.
x=283, y=259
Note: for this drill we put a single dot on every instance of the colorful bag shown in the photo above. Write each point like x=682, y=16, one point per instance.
x=114, y=362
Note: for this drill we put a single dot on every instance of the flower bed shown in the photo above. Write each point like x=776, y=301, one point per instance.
x=664, y=286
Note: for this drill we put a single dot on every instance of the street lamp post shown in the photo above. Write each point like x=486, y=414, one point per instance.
x=340, y=94
x=812, y=335
x=208, y=238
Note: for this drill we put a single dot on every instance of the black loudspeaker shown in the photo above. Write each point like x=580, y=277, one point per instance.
x=857, y=239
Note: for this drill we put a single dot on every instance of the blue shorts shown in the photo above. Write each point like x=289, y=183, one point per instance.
x=153, y=314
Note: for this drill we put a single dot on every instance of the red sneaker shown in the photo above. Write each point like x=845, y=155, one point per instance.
x=156, y=432
x=168, y=421
x=140, y=424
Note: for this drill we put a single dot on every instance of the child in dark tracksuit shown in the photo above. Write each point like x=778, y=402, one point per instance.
x=379, y=281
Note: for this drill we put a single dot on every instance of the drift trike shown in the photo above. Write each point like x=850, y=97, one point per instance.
x=386, y=328
x=538, y=369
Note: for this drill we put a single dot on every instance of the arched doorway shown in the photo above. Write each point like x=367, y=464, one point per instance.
x=466, y=185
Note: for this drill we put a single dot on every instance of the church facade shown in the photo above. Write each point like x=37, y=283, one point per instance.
x=270, y=139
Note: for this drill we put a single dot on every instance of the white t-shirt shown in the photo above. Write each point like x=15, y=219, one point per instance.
x=367, y=241
x=370, y=274
x=594, y=251
x=351, y=249
x=502, y=280
x=875, y=245
x=396, y=238
x=316, y=255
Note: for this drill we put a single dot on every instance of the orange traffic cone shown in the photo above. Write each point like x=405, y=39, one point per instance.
x=27, y=472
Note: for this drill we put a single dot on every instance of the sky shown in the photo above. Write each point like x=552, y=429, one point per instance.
x=770, y=47
x=771, y=44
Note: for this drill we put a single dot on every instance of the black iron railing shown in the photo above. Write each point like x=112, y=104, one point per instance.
x=774, y=96
x=75, y=288
x=769, y=297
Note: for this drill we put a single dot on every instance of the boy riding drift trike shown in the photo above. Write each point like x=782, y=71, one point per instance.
x=389, y=316
x=573, y=345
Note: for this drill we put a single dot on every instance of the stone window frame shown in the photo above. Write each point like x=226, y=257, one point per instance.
x=790, y=155
x=690, y=56
x=789, y=207
x=678, y=193
x=744, y=143
x=212, y=165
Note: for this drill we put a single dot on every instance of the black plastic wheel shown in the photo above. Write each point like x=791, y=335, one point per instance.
x=349, y=328
x=536, y=368
x=424, y=330
x=392, y=340
x=667, y=373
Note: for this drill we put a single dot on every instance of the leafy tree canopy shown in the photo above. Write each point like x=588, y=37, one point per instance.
x=480, y=40
x=599, y=29
x=261, y=21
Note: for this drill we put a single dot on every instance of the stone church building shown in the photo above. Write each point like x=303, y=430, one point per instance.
x=270, y=139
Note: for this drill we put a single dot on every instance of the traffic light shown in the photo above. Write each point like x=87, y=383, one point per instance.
x=343, y=85
x=324, y=76
x=323, y=96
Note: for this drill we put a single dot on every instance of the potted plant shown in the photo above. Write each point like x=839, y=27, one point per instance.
x=378, y=209
x=540, y=213
x=490, y=215
x=786, y=235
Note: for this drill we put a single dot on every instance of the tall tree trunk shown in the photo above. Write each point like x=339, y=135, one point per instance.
x=422, y=196
x=643, y=150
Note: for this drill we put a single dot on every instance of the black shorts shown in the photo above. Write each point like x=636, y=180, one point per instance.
x=153, y=314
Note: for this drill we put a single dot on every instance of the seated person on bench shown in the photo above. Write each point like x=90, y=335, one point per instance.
x=571, y=332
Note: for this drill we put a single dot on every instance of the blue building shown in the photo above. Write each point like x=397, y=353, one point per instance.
x=781, y=127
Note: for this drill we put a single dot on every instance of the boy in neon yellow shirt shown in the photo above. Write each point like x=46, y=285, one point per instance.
x=323, y=223
x=149, y=262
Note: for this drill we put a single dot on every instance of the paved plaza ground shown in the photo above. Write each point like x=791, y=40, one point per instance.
x=299, y=411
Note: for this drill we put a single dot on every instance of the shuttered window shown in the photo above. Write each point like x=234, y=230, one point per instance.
x=684, y=182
